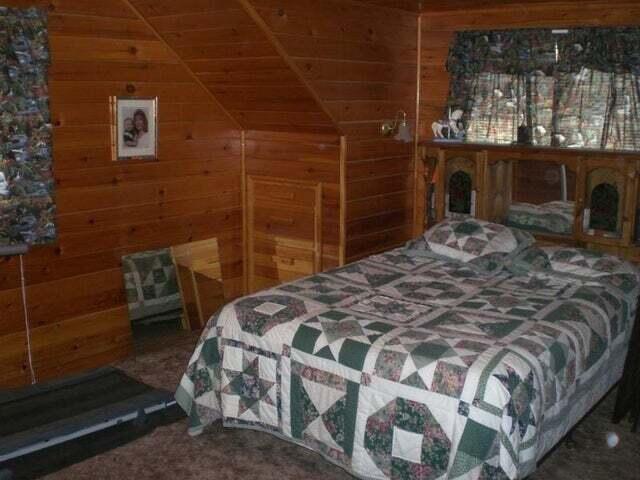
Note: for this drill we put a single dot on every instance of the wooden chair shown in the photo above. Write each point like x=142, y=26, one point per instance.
x=200, y=280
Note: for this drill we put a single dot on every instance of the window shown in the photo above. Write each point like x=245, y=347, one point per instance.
x=575, y=89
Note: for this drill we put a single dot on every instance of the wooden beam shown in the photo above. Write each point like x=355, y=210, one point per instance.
x=342, y=249
x=417, y=167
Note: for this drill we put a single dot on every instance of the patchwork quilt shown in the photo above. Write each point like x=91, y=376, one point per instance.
x=551, y=217
x=151, y=285
x=410, y=367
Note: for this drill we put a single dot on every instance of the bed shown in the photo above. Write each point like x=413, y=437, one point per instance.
x=412, y=364
x=555, y=217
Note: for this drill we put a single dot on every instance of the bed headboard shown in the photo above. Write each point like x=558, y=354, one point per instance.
x=598, y=189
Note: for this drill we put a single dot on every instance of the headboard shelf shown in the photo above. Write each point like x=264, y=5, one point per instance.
x=587, y=198
x=528, y=149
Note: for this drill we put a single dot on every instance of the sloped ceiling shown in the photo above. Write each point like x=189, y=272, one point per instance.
x=359, y=60
x=319, y=66
x=237, y=61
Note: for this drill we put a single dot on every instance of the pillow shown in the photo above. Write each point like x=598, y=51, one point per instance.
x=483, y=245
x=579, y=263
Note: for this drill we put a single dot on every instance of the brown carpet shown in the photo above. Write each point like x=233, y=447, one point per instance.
x=221, y=454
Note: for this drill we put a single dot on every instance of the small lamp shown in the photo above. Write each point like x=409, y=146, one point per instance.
x=400, y=126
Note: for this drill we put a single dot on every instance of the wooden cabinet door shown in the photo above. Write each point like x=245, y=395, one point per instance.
x=470, y=164
x=618, y=175
x=284, y=236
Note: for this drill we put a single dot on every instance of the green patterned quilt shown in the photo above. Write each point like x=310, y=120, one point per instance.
x=551, y=217
x=408, y=367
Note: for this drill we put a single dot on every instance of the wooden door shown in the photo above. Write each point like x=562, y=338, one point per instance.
x=284, y=230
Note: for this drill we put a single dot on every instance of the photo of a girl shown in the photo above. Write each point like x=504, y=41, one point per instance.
x=135, y=120
x=136, y=130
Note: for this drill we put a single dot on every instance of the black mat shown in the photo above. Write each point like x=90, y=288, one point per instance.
x=56, y=458
x=32, y=407
x=40, y=413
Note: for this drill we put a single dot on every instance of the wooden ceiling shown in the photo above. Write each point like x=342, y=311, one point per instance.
x=313, y=66
x=409, y=5
x=236, y=60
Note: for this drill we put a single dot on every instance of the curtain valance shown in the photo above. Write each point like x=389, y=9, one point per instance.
x=575, y=88
x=529, y=50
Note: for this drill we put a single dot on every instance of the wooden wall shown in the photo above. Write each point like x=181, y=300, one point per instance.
x=314, y=66
x=360, y=60
x=441, y=20
x=303, y=157
x=295, y=74
x=75, y=288
x=410, y=5
x=235, y=59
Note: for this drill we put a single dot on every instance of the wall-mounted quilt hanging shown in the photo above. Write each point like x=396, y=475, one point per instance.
x=575, y=88
x=27, y=208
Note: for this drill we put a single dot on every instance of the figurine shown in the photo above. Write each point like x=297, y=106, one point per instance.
x=453, y=126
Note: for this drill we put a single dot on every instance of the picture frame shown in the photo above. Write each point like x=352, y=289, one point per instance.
x=134, y=128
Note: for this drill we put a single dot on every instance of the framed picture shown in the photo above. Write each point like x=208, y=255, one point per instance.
x=134, y=128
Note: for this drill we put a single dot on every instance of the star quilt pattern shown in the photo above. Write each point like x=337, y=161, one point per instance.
x=410, y=367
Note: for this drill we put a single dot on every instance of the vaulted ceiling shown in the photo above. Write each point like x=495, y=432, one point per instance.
x=321, y=66
x=233, y=57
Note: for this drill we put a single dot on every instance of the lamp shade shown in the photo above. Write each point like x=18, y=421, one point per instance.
x=404, y=133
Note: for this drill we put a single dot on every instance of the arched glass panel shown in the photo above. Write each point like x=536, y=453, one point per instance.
x=460, y=186
x=605, y=201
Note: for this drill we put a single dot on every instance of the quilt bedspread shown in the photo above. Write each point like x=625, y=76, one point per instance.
x=404, y=367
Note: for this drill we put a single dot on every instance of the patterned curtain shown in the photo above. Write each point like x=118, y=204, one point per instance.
x=576, y=89
x=26, y=180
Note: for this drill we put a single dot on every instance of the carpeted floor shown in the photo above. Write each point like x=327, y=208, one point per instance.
x=221, y=454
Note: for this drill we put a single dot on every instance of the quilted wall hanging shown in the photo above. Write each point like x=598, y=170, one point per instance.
x=27, y=207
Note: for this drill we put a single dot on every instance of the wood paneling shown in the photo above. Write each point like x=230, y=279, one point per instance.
x=360, y=60
x=440, y=21
x=312, y=66
x=410, y=5
x=75, y=287
x=237, y=61
x=284, y=230
x=310, y=158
